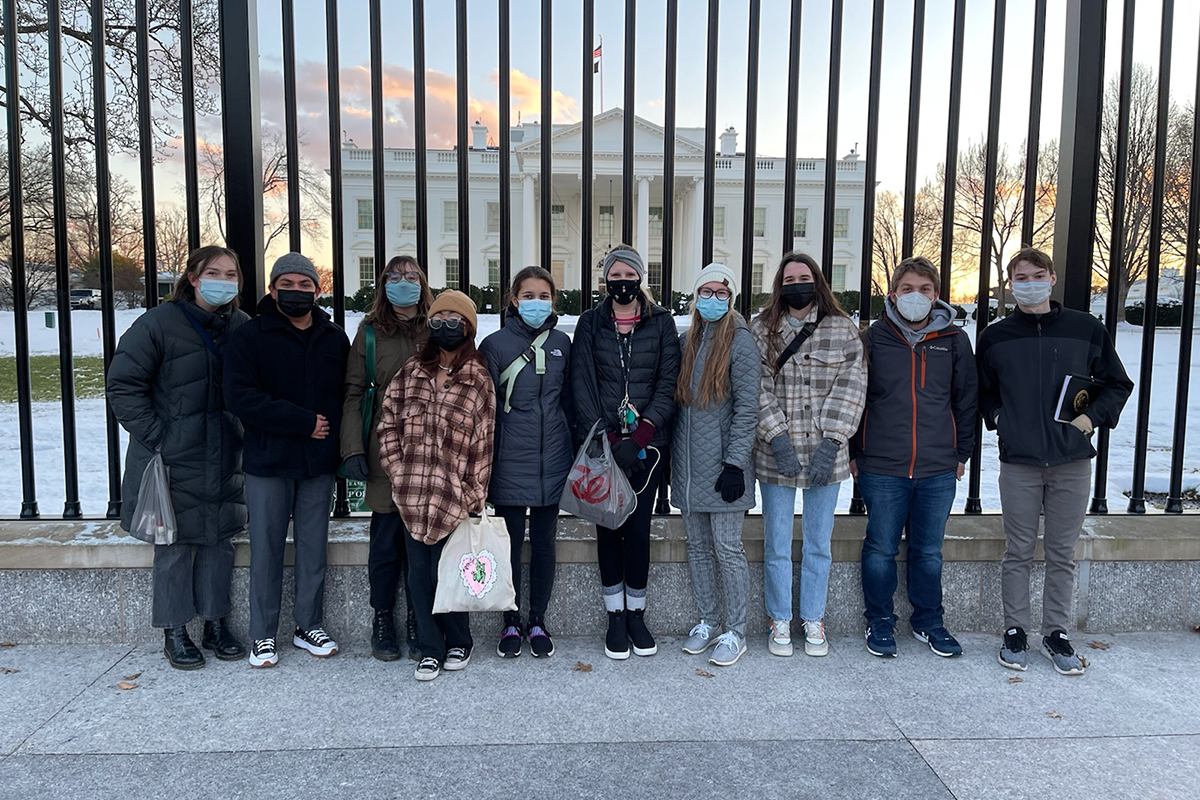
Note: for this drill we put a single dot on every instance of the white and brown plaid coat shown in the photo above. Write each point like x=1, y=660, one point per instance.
x=819, y=393
x=436, y=445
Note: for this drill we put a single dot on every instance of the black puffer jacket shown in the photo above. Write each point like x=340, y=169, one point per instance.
x=277, y=379
x=164, y=386
x=597, y=378
x=533, y=438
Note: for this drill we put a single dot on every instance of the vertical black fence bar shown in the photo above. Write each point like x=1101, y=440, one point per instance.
x=831, y=128
x=547, y=167
x=66, y=367
x=1116, y=252
x=751, y=161
x=950, y=167
x=419, y=133
x=991, y=149
x=585, y=198
x=191, y=180
x=104, y=232
x=793, y=109
x=16, y=211
x=1033, y=136
x=1179, y=436
x=145, y=153
x=710, y=133
x=914, y=125
x=243, y=142
x=341, y=503
x=378, y=168
x=291, y=125
x=505, y=150
x=1137, y=497
x=627, y=115
x=668, y=189
x=462, y=149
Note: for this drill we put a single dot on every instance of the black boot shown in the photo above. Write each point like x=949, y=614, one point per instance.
x=218, y=638
x=616, y=644
x=410, y=634
x=639, y=634
x=180, y=650
x=384, y=644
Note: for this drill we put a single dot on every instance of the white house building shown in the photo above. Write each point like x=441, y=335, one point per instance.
x=528, y=188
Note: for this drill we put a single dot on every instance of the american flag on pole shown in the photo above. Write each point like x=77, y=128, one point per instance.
x=596, y=56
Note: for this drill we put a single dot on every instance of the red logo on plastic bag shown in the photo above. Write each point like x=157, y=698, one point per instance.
x=588, y=487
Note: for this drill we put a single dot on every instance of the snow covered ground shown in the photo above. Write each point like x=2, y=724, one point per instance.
x=93, y=478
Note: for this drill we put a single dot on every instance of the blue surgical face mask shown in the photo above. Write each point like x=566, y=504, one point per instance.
x=534, y=312
x=403, y=293
x=218, y=293
x=711, y=309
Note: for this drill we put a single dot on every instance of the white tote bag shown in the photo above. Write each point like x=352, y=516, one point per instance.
x=475, y=569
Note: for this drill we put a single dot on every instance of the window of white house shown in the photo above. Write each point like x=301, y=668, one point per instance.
x=838, y=282
x=493, y=272
x=760, y=222
x=366, y=219
x=605, y=228
x=451, y=271
x=450, y=216
x=408, y=215
x=656, y=221
x=558, y=269
x=719, y=222
x=366, y=271
x=841, y=223
x=493, y=217
x=756, y=278
x=654, y=277
x=800, y=224
x=558, y=220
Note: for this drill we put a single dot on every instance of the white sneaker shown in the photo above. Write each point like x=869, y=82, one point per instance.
x=815, y=643
x=262, y=653
x=779, y=642
x=315, y=641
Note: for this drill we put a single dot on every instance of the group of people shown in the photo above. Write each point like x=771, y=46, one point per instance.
x=255, y=418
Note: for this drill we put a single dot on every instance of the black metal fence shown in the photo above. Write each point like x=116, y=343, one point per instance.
x=1079, y=169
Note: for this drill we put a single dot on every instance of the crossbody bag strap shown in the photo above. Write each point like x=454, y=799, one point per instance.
x=796, y=343
x=367, y=409
x=535, y=354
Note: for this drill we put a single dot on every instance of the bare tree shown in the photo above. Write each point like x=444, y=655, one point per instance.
x=171, y=236
x=887, y=248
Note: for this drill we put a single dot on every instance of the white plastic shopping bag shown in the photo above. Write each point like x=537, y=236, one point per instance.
x=475, y=569
x=597, y=489
x=154, y=516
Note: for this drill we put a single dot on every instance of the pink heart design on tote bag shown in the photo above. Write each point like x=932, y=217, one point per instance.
x=478, y=572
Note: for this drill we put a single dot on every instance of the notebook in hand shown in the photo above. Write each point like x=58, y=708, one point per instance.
x=1077, y=394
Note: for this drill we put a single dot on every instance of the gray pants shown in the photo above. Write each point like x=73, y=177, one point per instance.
x=273, y=503
x=191, y=579
x=1061, y=494
x=720, y=533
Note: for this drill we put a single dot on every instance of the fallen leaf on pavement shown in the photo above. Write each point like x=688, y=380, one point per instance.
x=14, y=644
x=704, y=674
x=1098, y=645
x=123, y=685
x=1083, y=661
x=1015, y=679
x=8, y=670
x=133, y=677
x=582, y=667
x=1054, y=715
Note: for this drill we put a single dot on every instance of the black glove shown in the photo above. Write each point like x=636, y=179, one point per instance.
x=625, y=453
x=355, y=468
x=731, y=484
x=820, y=469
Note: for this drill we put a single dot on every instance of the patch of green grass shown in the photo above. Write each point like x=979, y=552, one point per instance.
x=43, y=372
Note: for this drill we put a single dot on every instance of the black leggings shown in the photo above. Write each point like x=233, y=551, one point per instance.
x=543, y=527
x=624, y=553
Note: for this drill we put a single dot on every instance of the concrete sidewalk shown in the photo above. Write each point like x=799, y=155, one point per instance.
x=848, y=725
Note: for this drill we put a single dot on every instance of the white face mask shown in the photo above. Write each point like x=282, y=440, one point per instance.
x=1031, y=293
x=913, y=306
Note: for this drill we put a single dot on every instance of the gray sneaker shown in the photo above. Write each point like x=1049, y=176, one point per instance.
x=730, y=647
x=1057, y=648
x=1014, y=651
x=702, y=637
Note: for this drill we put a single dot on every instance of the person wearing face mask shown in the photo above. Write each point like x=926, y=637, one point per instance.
x=393, y=331
x=164, y=387
x=916, y=434
x=814, y=382
x=624, y=365
x=712, y=459
x=436, y=432
x=1045, y=465
x=529, y=360
x=284, y=372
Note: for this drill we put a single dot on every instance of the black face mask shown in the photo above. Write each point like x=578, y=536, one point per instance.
x=448, y=339
x=799, y=295
x=623, y=292
x=294, y=303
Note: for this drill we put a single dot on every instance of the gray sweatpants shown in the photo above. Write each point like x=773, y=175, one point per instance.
x=273, y=503
x=1061, y=494
x=719, y=532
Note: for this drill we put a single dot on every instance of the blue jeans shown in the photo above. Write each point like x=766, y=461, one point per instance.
x=921, y=507
x=779, y=516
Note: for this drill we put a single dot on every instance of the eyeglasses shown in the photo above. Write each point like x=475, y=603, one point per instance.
x=453, y=323
x=720, y=294
x=396, y=277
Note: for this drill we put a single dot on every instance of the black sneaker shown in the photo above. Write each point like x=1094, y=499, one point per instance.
x=457, y=658
x=940, y=641
x=540, y=643
x=1057, y=648
x=428, y=669
x=616, y=643
x=639, y=634
x=262, y=653
x=315, y=641
x=510, y=639
x=384, y=644
x=881, y=641
x=1014, y=651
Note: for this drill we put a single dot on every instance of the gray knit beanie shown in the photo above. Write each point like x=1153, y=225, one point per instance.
x=626, y=255
x=294, y=263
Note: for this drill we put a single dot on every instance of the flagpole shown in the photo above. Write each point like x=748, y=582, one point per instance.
x=602, y=73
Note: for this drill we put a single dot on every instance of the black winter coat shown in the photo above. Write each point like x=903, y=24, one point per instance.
x=164, y=387
x=533, y=439
x=597, y=378
x=1023, y=360
x=277, y=379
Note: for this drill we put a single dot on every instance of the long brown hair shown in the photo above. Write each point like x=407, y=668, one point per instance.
x=197, y=260
x=714, y=380
x=776, y=310
x=524, y=275
x=431, y=354
x=383, y=314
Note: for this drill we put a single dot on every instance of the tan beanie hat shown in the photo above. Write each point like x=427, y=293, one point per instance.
x=454, y=300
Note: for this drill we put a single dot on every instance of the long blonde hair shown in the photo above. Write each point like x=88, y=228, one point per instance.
x=714, y=380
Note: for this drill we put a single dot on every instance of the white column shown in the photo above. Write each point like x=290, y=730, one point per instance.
x=698, y=224
x=643, y=216
x=529, y=218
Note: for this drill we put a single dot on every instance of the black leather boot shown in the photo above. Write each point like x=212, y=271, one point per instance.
x=218, y=638
x=616, y=643
x=410, y=634
x=180, y=650
x=384, y=644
